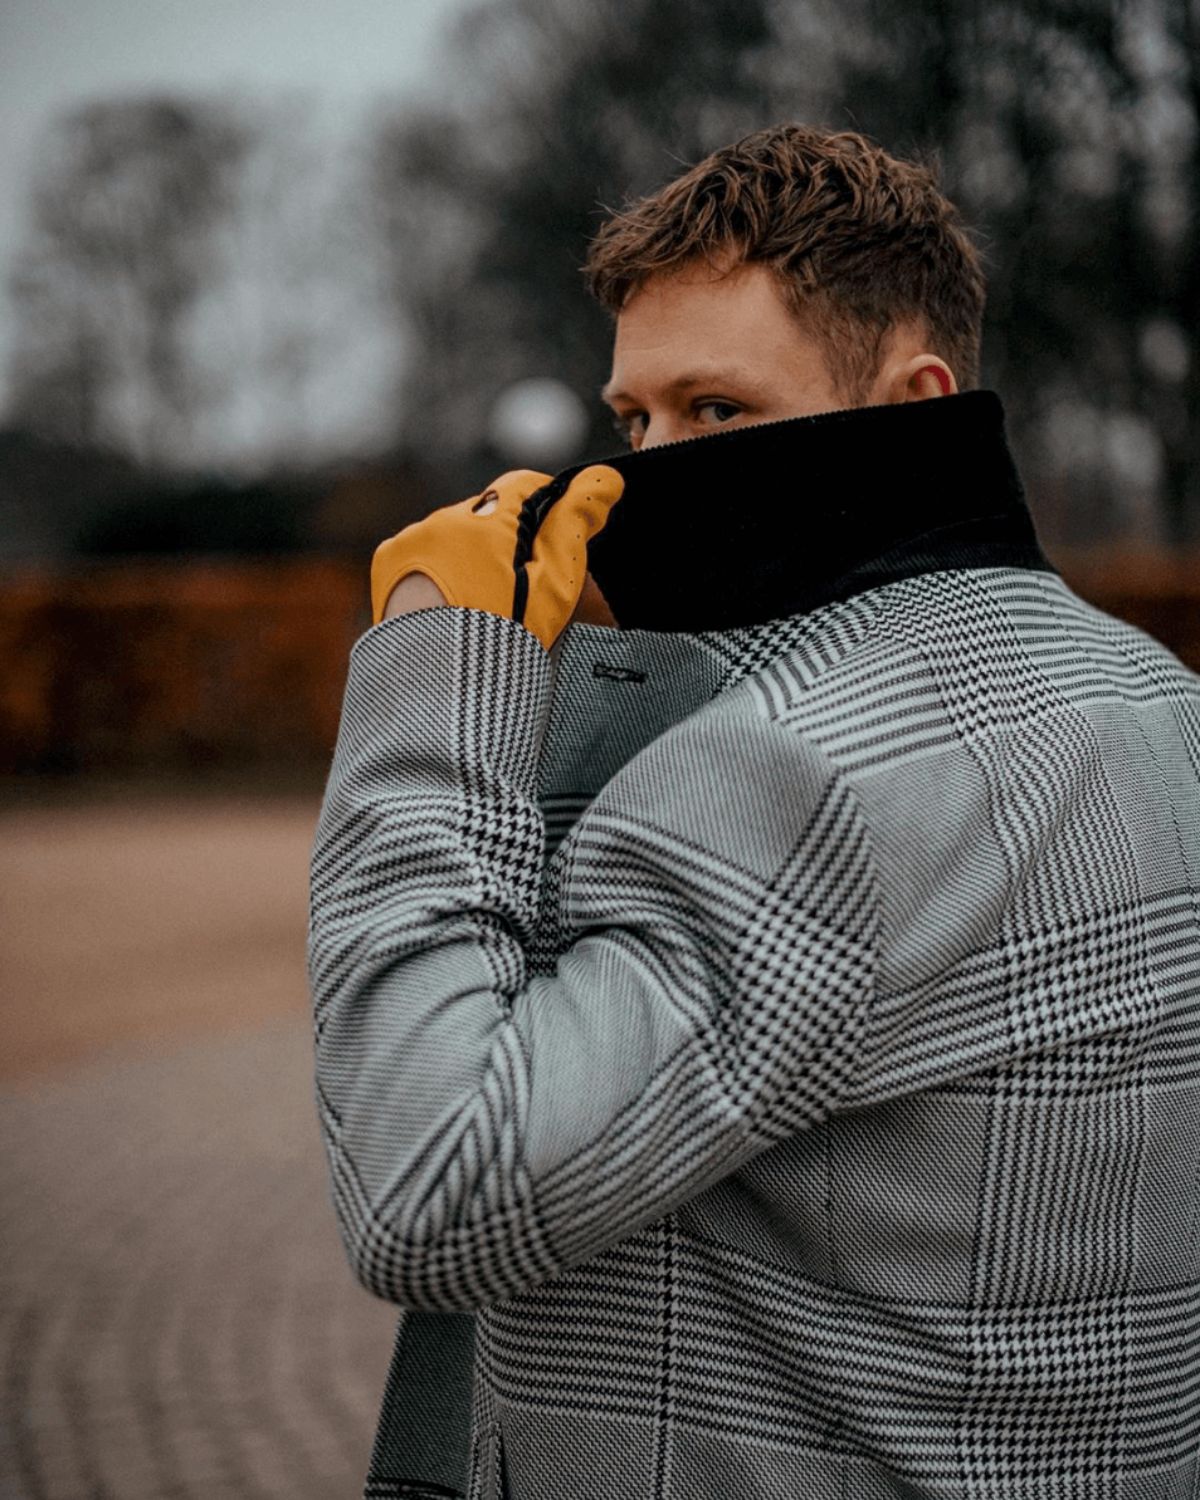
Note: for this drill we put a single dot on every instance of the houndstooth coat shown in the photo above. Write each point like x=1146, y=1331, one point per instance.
x=765, y=1061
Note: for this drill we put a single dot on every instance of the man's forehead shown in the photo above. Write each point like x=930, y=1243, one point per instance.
x=695, y=328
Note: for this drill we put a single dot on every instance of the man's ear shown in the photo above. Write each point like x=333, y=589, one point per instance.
x=918, y=378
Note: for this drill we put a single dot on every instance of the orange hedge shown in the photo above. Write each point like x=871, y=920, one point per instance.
x=181, y=665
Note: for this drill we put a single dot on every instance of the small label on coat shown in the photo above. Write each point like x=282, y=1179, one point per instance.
x=621, y=674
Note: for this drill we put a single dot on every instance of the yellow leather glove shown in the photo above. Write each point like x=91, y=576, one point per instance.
x=526, y=559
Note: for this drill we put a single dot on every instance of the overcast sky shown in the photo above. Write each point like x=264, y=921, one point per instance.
x=56, y=54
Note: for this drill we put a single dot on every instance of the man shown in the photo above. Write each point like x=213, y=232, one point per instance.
x=757, y=1044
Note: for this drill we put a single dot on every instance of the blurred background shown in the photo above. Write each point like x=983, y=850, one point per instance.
x=277, y=280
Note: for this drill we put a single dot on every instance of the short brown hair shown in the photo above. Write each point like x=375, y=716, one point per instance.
x=860, y=240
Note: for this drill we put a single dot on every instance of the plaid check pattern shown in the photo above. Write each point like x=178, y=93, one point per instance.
x=766, y=1062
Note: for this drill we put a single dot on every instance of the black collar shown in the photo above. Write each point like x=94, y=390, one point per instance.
x=741, y=527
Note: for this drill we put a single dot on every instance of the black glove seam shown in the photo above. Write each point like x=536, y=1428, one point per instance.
x=532, y=513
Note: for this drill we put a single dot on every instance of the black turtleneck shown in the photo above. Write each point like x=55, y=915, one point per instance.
x=759, y=522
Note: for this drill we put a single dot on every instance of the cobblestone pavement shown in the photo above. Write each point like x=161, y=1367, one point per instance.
x=177, y=1314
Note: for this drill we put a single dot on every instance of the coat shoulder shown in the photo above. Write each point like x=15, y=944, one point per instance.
x=956, y=656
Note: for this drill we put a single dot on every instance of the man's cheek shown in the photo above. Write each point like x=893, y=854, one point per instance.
x=592, y=608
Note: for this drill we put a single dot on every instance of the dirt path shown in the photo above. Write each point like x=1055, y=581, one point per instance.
x=123, y=924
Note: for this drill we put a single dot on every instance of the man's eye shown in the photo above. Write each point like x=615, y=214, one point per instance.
x=723, y=411
x=628, y=424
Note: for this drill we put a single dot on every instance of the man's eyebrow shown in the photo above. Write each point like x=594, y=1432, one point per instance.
x=717, y=376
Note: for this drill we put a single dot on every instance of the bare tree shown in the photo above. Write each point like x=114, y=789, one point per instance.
x=288, y=340
x=1175, y=357
x=1068, y=130
x=126, y=203
x=487, y=206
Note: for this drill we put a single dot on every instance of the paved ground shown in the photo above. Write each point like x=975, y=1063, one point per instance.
x=177, y=1317
x=129, y=919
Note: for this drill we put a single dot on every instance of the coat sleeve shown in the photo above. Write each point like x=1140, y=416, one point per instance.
x=487, y=1121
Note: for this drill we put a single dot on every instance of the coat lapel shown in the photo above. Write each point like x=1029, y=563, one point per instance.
x=614, y=691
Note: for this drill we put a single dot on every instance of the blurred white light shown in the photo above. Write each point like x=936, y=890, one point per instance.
x=538, y=423
x=1134, y=450
x=1164, y=349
